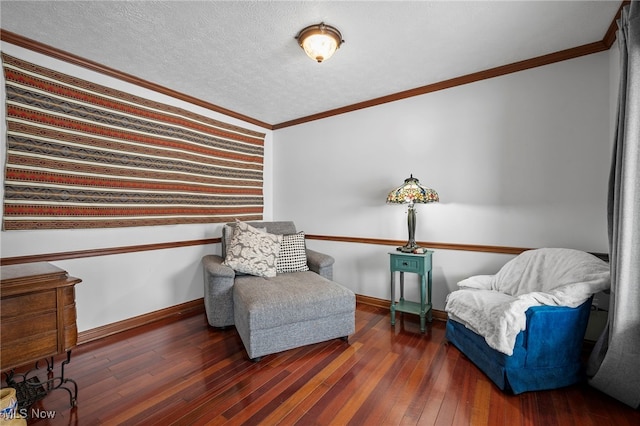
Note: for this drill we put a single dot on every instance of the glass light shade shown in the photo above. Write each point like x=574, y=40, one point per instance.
x=319, y=41
x=411, y=192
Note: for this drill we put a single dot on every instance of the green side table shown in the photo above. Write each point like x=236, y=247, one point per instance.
x=418, y=264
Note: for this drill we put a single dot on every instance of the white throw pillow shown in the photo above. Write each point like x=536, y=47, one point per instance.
x=252, y=251
x=228, y=235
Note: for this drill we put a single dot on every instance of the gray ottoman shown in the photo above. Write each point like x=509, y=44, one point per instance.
x=296, y=309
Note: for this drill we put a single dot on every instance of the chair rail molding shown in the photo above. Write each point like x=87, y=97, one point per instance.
x=78, y=254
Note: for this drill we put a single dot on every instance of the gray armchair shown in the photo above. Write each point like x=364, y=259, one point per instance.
x=275, y=314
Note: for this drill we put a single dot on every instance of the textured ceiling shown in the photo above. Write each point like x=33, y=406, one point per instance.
x=242, y=55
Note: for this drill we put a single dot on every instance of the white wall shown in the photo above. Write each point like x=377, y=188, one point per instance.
x=123, y=286
x=519, y=160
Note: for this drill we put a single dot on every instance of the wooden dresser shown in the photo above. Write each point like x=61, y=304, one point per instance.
x=37, y=313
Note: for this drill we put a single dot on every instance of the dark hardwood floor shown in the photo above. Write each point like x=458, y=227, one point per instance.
x=184, y=372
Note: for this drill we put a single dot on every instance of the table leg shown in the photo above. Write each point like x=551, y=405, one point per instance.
x=430, y=318
x=423, y=306
x=30, y=388
x=393, y=298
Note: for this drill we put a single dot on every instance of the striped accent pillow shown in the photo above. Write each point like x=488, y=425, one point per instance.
x=293, y=254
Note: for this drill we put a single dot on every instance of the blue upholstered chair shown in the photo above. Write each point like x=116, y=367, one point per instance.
x=546, y=355
x=546, y=295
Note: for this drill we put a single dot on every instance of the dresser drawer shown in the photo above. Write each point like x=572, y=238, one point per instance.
x=27, y=305
x=34, y=325
x=29, y=349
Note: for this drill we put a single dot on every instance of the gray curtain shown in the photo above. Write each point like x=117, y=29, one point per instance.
x=614, y=365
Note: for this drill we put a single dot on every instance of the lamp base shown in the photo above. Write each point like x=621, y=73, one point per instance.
x=408, y=248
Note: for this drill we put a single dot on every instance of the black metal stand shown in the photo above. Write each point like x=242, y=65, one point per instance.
x=30, y=389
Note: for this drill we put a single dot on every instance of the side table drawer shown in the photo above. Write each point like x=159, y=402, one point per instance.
x=410, y=264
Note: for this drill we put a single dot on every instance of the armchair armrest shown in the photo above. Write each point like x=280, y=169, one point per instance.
x=555, y=334
x=320, y=263
x=218, y=291
x=213, y=266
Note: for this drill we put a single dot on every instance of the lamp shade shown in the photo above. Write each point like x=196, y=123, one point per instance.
x=319, y=41
x=411, y=192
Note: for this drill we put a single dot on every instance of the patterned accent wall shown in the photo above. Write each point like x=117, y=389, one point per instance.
x=82, y=155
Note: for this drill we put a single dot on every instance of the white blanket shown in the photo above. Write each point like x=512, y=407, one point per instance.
x=494, y=306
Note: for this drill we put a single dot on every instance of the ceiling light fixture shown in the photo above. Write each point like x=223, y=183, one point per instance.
x=319, y=41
